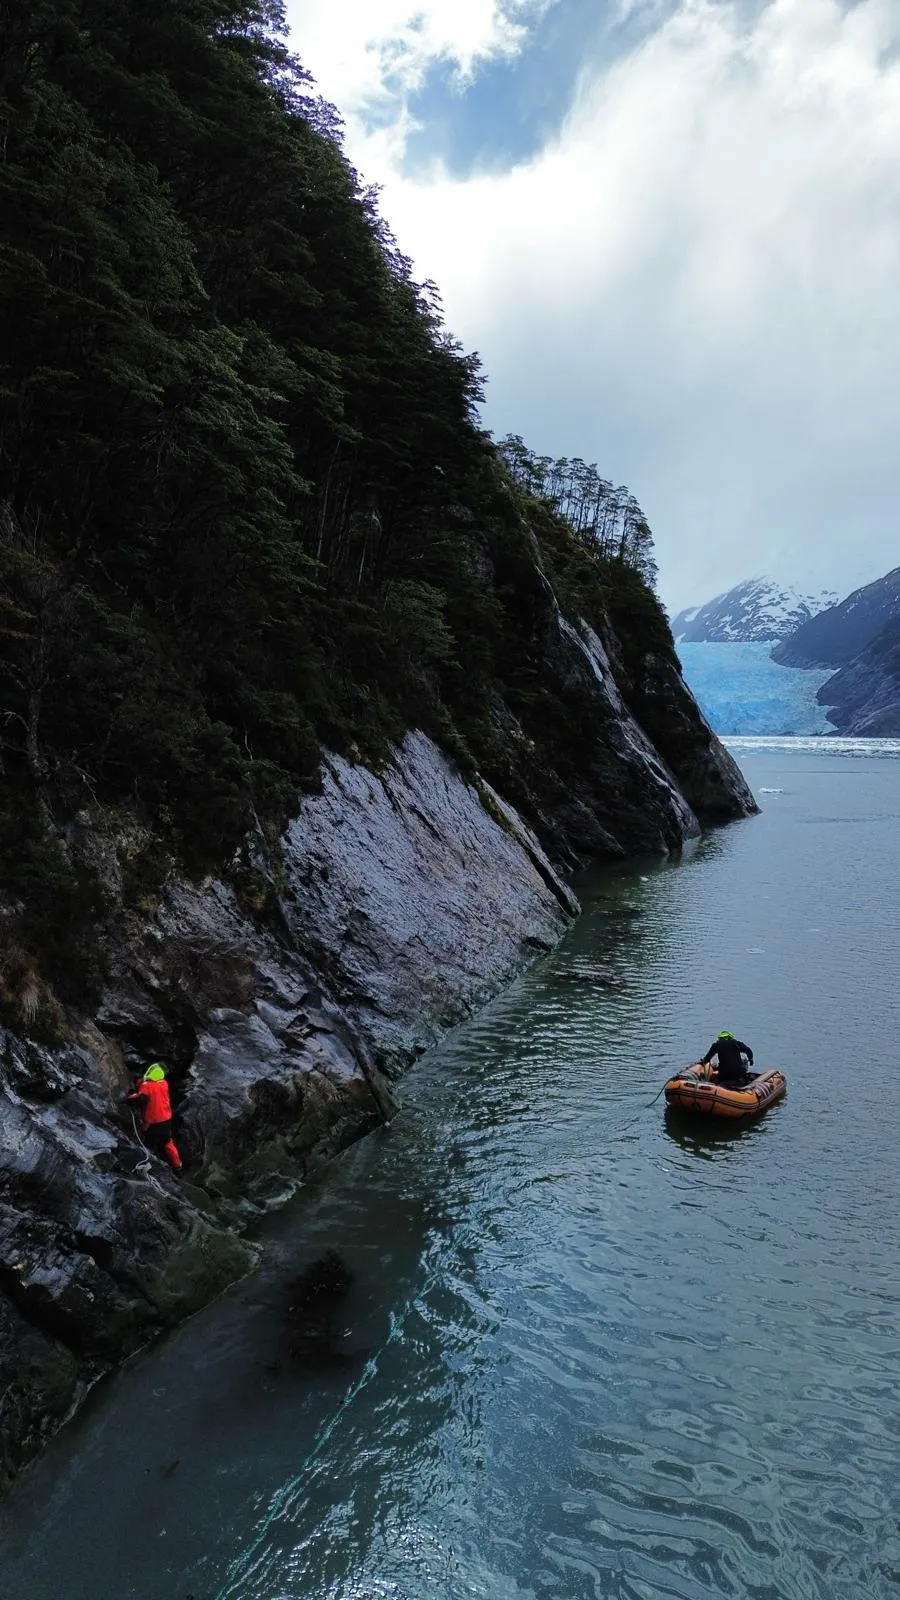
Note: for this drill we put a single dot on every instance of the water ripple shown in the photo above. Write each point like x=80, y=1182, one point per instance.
x=610, y=1356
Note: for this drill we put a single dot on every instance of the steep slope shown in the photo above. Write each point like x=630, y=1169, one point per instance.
x=306, y=703
x=863, y=698
x=271, y=1025
x=274, y=524
x=835, y=636
x=753, y=611
x=287, y=993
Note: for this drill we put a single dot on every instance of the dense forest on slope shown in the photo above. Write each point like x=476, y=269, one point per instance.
x=246, y=506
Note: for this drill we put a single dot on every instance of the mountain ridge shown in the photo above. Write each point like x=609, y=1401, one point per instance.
x=863, y=698
x=754, y=611
x=838, y=634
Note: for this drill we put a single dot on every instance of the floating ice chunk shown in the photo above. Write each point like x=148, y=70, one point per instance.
x=889, y=749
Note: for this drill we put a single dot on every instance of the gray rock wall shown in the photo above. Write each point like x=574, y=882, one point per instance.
x=863, y=699
x=399, y=901
x=408, y=898
x=663, y=814
x=708, y=778
x=415, y=896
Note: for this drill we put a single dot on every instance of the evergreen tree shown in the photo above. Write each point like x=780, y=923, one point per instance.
x=246, y=505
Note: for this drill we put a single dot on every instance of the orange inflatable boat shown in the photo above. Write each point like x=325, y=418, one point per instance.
x=697, y=1089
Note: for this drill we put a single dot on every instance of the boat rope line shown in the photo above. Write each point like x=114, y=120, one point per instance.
x=238, y=1568
x=623, y=1127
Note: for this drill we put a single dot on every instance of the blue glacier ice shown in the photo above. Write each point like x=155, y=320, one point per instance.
x=740, y=689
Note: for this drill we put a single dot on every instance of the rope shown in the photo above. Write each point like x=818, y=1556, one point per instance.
x=146, y=1166
x=623, y=1127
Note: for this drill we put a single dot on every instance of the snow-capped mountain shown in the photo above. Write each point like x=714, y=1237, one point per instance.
x=838, y=635
x=755, y=611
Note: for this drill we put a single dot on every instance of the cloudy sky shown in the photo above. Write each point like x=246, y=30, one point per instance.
x=672, y=230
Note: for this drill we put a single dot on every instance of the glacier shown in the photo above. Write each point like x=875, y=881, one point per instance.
x=740, y=689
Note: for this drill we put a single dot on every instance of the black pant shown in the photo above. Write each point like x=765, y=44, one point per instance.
x=737, y=1077
x=156, y=1136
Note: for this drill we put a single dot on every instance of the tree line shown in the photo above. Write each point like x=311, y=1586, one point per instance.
x=608, y=521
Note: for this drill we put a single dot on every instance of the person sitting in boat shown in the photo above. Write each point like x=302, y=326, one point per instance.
x=730, y=1052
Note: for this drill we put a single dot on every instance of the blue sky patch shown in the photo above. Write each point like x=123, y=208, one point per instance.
x=513, y=107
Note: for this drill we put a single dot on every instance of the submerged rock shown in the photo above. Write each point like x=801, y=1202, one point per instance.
x=314, y=1300
x=592, y=974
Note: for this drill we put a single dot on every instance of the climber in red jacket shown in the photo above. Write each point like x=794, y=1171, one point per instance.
x=152, y=1094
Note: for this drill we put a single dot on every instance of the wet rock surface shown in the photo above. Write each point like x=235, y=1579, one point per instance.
x=405, y=902
x=399, y=902
x=416, y=896
x=92, y=1247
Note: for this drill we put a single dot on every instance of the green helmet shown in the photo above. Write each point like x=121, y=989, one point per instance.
x=155, y=1073
x=725, y=1034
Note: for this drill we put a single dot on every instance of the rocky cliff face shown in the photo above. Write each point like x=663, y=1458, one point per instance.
x=863, y=699
x=707, y=775
x=406, y=898
x=287, y=999
x=836, y=636
x=611, y=756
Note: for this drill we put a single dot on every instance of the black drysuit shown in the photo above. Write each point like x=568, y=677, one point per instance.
x=729, y=1052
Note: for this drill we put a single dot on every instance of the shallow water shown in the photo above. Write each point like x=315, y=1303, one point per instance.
x=597, y=1354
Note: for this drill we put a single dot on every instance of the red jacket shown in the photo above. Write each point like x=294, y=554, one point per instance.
x=155, y=1103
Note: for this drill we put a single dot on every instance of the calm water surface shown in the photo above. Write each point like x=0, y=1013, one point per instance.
x=598, y=1355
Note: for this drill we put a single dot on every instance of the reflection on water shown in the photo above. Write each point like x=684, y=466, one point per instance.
x=616, y=1356
x=701, y=1135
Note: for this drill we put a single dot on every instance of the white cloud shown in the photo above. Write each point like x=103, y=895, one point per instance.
x=697, y=282
x=371, y=54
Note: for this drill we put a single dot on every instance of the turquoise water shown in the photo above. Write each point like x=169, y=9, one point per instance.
x=598, y=1354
